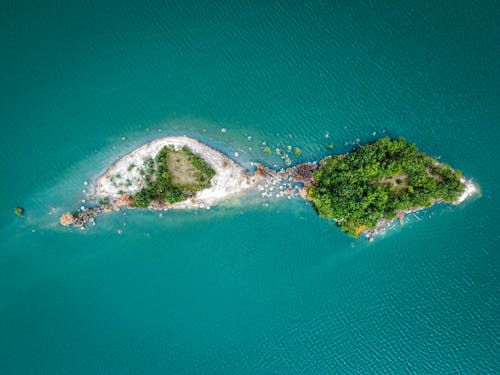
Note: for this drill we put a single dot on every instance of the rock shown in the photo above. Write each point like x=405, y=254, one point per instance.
x=303, y=172
x=19, y=211
x=66, y=219
x=124, y=200
x=303, y=193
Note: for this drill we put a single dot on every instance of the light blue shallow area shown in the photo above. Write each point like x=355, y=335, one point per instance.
x=254, y=286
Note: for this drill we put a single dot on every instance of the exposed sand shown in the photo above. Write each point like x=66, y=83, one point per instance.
x=470, y=190
x=123, y=176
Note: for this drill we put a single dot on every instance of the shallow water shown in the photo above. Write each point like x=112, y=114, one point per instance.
x=256, y=286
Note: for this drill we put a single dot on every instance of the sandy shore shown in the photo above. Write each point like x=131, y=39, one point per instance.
x=123, y=176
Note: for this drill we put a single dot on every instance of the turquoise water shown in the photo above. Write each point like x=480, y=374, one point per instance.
x=254, y=286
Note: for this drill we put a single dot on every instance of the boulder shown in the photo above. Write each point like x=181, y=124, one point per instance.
x=66, y=219
x=303, y=193
x=124, y=200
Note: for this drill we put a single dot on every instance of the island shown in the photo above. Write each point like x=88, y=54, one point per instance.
x=171, y=173
x=362, y=191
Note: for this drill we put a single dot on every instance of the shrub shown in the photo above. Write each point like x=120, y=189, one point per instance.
x=142, y=199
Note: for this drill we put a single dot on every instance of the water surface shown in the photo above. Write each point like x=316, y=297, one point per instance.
x=256, y=286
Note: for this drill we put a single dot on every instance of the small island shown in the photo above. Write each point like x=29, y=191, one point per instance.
x=369, y=187
x=363, y=191
x=171, y=172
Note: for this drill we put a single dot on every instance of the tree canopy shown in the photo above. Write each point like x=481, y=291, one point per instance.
x=376, y=181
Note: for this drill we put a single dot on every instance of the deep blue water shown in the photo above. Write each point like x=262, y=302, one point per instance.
x=253, y=286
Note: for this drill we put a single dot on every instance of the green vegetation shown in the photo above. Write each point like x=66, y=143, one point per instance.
x=103, y=201
x=205, y=172
x=378, y=180
x=161, y=179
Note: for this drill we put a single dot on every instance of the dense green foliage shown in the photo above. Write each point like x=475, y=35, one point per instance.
x=158, y=182
x=378, y=180
x=205, y=172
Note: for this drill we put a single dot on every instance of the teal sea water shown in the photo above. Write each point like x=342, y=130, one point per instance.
x=255, y=286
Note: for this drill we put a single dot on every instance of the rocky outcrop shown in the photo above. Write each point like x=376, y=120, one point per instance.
x=124, y=200
x=66, y=219
x=303, y=173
